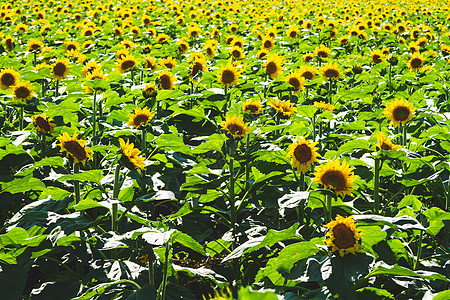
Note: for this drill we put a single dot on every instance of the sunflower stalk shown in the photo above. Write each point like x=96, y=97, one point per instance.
x=94, y=118
x=225, y=107
x=390, y=78
x=165, y=275
x=21, y=113
x=116, y=188
x=376, y=186
x=419, y=247
x=144, y=140
x=76, y=183
x=329, y=204
x=43, y=144
x=57, y=88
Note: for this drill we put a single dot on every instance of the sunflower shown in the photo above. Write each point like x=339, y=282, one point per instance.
x=399, y=111
x=198, y=65
x=194, y=31
x=168, y=62
x=285, y=108
x=237, y=53
x=228, y=75
x=343, y=236
x=330, y=71
x=343, y=40
x=415, y=62
x=308, y=72
x=323, y=105
x=146, y=49
x=183, y=46
x=262, y=53
x=162, y=38
x=149, y=63
x=23, y=91
x=9, y=43
x=413, y=47
x=130, y=155
x=292, y=32
x=308, y=57
x=274, y=65
x=91, y=76
x=126, y=63
x=8, y=78
x=377, y=56
x=72, y=45
x=235, y=126
x=166, y=80
x=140, y=117
x=43, y=123
x=267, y=43
x=60, y=68
x=90, y=67
x=34, y=45
x=210, y=51
x=296, y=80
x=118, y=31
x=253, y=107
x=87, y=31
x=385, y=143
x=237, y=42
x=74, y=147
x=338, y=177
x=322, y=52
x=150, y=89
x=303, y=154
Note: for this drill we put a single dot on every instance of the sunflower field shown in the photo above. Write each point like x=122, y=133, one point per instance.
x=243, y=149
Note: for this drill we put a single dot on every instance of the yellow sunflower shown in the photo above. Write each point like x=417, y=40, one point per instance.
x=149, y=63
x=75, y=148
x=285, y=108
x=23, y=91
x=90, y=67
x=343, y=236
x=274, y=65
x=130, y=155
x=8, y=78
x=140, y=117
x=385, y=143
x=183, y=46
x=330, y=71
x=292, y=31
x=308, y=72
x=150, y=89
x=253, y=106
x=9, y=43
x=296, y=80
x=415, y=62
x=126, y=63
x=168, y=62
x=198, y=65
x=323, y=105
x=322, y=51
x=377, y=56
x=308, y=57
x=43, y=123
x=338, y=177
x=237, y=53
x=262, y=53
x=60, y=68
x=267, y=43
x=34, y=45
x=95, y=74
x=303, y=153
x=235, y=126
x=399, y=111
x=228, y=75
x=166, y=80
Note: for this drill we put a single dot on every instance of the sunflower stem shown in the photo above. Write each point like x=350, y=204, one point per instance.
x=404, y=135
x=34, y=61
x=390, y=78
x=94, y=117
x=314, y=127
x=21, y=113
x=419, y=247
x=43, y=144
x=151, y=271
x=376, y=186
x=166, y=264
x=225, y=107
x=116, y=187
x=76, y=183
x=247, y=167
x=301, y=186
x=329, y=201
x=56, y=88
x=144, y=140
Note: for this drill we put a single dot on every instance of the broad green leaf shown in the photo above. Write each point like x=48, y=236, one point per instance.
x=55, y=161
x=436, y=216
x=374, y=293
x=293, y=253
x=188, y=241
x=90, y=176
x=86, y=204
x=444, y=295
x=397, y=270
x=214, y=143
x=358, y=144
x=247, y=294
x=412, y=201
x=172, y=142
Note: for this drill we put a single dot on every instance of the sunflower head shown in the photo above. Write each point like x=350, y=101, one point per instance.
x=168, y=62
x=274, y=65
x=331, y=71
x=126, y=63
x=166, y=80
x=296, y=81
x=303, y=153
x=34, y=45
x=252, y=107
x=336, y=176
x=60, y=68
x=323, y=105
x=415, y=62
x=307, y=72
x=8, y=78
x=140, y=117
x=322, y=52
x=237, y=52
x=130, y=156
x=23, y=91
x=267, y=43
x=150, y=89
x=377, y=56
x=262, y=54
x=235, y=126
x=343, y=236
x=75, y=148
x=197, y=66
x=385, y=143
x=149, y=63
x=43, y=123
x=284, y=108
x=228, y=75
x=399, y=111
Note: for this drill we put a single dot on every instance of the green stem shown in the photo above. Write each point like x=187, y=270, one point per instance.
x=114, y=214
x=301, y=186
x=419, y=247
x=314, y=127
x=247, y=167
x=390, y=79
x=225, y=107
x=21, y=113
x=376, y=186
x=329, y=201
x=57, y=88
x=447, y=209
x=34, y=61
x=94, y=117
x=404, y=135
x=232, y=204
x=151, y=271
x=144, y=140
x=76, y=183
x=166, y=264
x=43, y=144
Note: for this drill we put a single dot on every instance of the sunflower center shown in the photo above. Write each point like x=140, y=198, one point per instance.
x=71, y=47
x=88, y=33
x=209, y=51
x=293, y=34
x=59, y=69
x=295, y=83
x=261, y=55
x=343, y=236
x=252, y=108
x=197, y=67
x=376, y=59
x=35, y=46
x=239, y=44
x=128, y=64
x=227, y=76
x=334, y=178
x=303, y=153
x=416, y=63
x=140, y=119
x=165, y=82
x=169, y=65
x=401, y=113
x=331, y=73
x=323, y=54
x=267, y=44
x=8, y=79
x=385, y=146
x=236, y=53
x=271, y=68
x=9, y=44
x=235, y=129
x=308, y=75
x=43, y=124
x=22, y=92
x=74, y=148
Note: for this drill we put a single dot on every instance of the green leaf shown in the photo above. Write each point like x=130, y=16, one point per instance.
x=435, y=217
x=247, y=294
x=126, y=194
x=147, y=292
x=374, y=293
x=188, y=242
x=359, y=144
x=397, y=270
x=173, y=142
x=412, y=201
x=307, y=110
x=90, y=176
x=87, y=204
x=214, y=143
x=444, y=295
x=293, y=253
x=260, y=177
x=55, y=161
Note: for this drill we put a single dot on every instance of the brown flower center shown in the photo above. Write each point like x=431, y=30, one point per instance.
x=235, y=129
x=209, y=51
x=197, y=67
x=416, y=63
x=401, y=113
x=140, y=119
x=251, y=108
x=43, y=124
x=271, y=68
x=88, y=33
x=236, y=53
x=22, y=92
x=239, y=44
x=267, y=44
x=262, y=54
x=293, y=34
x=376, y=58
x=227, y=76
x=322, y=54
x=331, y=73
x=308, y=75
x=343, y=236
x=9, y=44
x=71, y=47
x=8, y=79
x=126, y=65
x=59, y=69
x=74, y=148
x=385, y=146
x=169, y=65
x=166, y=84
x=294, y=82
x=35, y=46
x=334, y=178
x=303, y=153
